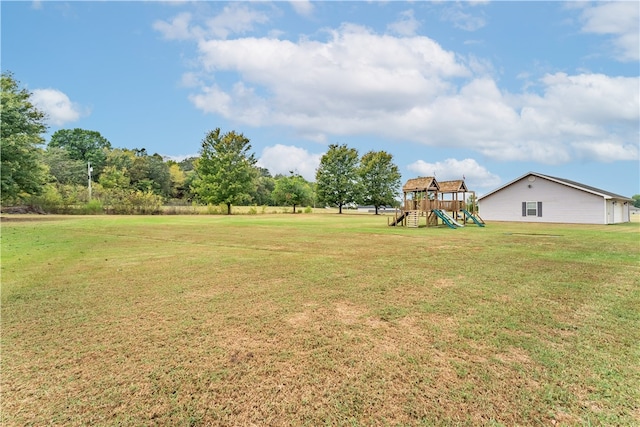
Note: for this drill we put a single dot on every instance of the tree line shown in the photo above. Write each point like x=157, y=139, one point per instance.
x=78, y=170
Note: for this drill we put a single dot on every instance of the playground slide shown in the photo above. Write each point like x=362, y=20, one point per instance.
x=447, y=219
x=398, y=219
x=450, y=218
x=473, y=218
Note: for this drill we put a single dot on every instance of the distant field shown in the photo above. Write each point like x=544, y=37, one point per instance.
x=316, y=319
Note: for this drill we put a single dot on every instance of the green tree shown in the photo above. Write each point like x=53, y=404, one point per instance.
x=22, y=172
x=143, y=172
x=85, y=145
x=636, y=200
x=150, y=173
x=113, y=177
x=379, y=179
x=472, y=203
x=225, y=169
x=121, y=158
x=178, y=179
x=63, y=169
x=337, y=176
x=116, y=172
x=292, y=191
x=187, y=165
x=265, y=184
x=190, y=176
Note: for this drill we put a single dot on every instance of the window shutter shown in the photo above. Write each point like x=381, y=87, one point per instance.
x=539, y=208
x=524, y=208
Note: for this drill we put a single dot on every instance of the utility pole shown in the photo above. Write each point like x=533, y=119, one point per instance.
x=89, y=170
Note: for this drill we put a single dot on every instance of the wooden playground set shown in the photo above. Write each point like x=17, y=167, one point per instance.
x=439, y=203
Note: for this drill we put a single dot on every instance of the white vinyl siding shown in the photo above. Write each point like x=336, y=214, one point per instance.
x=617, y=212
x=561, y=203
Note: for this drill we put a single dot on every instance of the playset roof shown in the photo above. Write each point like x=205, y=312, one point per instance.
x=457, y=186
x=422, y=183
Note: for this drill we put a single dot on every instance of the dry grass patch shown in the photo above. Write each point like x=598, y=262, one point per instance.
x=317, y=319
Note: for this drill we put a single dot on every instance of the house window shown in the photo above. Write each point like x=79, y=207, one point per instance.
x=531, y=208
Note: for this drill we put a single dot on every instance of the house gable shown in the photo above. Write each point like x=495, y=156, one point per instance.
x=535, y=197
x=587, y=188
x=569, y=183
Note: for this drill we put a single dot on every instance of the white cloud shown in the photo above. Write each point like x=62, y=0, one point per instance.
x=406, y=25
x=179, y=28
x=240, y=100
x=465, y=21
x=302, y=7
x=235, y=18
x=180, y=157
x=344, y=84
x=607, y=150
x=475, y=175
x=57, y=105
x=191, y=79
x=285, y=158
x=357, y=82
x=213, y=100
x=592, y=98
x=590, y=116
x=619, y=19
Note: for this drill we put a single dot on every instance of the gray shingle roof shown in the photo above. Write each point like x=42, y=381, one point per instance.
x=585, y=187
x=567, y=182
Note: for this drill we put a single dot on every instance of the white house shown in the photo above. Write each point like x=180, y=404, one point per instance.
x=535, y=197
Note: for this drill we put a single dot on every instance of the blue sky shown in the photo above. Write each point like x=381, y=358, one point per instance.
x=484, y=90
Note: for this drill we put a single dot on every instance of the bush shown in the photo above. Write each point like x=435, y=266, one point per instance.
x=50, y=200
x=145, y=202
x=212, y=210
x=127, y=201
x=308, y=210
x=93, y=207
x=61, y=199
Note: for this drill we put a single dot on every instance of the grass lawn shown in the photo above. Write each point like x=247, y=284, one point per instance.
x=317, y=319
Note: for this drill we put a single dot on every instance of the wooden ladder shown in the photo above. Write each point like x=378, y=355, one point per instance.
x=412, y=219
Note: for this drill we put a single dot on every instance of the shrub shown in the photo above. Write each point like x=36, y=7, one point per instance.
x=50, y=200
x=145, y=202
x=93, y=207
x=212, y=210
x=127, y=201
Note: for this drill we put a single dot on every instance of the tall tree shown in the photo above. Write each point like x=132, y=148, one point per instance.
x=292, y=190
x=113, y=177
x=265, y=184
x=85, y=145
x=63, y=169
x=21, y=170
x=379, y=179
x=187, y=165
x=150, y=173
x=337, y=176
x=225, y=169
x=121, y=158
x=178, y=179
